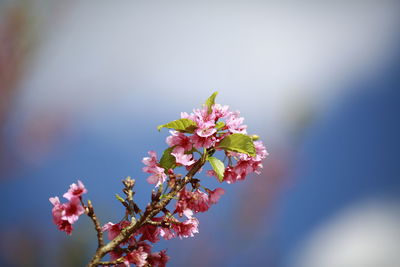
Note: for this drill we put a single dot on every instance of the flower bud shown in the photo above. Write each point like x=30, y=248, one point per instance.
x=128, y=182
x=254, y=137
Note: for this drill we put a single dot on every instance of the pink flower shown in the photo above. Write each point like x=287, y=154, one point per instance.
x=199, y=201
x=167, y=233
x=149, y=232
x=75, y=190
x=181, y=229
x=205, y=142
x=196, y=201
x=146, y=246
x=206, y=129
x=230, y=175
x=158, y=175
x=57, y=209
x=179, y=139
x=137, y=257
x=185, y=115
x=245, y=164
x=220, y=111
x=188, y=213
x=57, y=212
x=107, y=227
x=215, y=195
x=65, y=226
x=261, y=152
x=248, y=164
x=187, y=228
x=72, y=210
x=201, y=115
x=114, y=229
x=182, y=204
x=150, y=161
x=243, y=168
x=64, y=215
x=181, y=157
x=234, y=123
x=238, y=171
x=158, y=259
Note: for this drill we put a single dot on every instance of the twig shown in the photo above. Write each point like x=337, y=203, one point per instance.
x=92, y=215
x=109, y=263
x=165, y=224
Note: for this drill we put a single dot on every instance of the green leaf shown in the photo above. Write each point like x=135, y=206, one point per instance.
x=182, y=125
x=218, y=166
x=119, y=198
x=167, y=160
x=219, y=125
x=238, y=143
x=211, y=101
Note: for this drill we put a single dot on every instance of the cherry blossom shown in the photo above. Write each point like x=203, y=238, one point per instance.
x=177, y=139
x=167, y=233
x=196, y=201
x=149, y=232
x=57, y=212
x=72, y=210
x=114, y=229
x=65, y=214
x=158, y=175
x=181, y=157
x=187, y=228
x=215, y=195
x=206, y=129
x=75, y=190
x=158, y=259
x=206, y=142
x=137, y=257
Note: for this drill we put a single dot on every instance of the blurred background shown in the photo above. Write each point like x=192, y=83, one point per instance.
x=83, y=85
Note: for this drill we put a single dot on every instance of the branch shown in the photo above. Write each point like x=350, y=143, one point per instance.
x=110, y=263
x=92, y=215
x=165, y=224
x=153, y=209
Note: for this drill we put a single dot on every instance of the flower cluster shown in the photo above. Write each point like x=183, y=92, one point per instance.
x=196, y=201
x=137, y=251
x=166, y=226
x=64, y=215
x=192, y=143
x=208, y=130
x=210, y=125
x=245, y=164
x=158, y=175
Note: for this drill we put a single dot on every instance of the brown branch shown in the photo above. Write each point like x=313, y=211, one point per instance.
x=92, y=215
x=152, y=210
x=165, y=224
x=109, y=263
